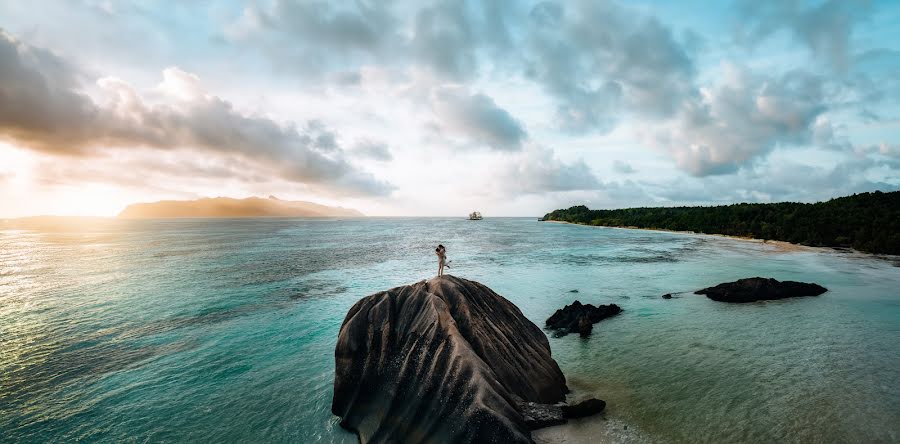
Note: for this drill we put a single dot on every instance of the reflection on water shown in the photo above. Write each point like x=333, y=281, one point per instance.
x=224, y=330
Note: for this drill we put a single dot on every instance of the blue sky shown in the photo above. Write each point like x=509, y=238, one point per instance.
x=438, y=108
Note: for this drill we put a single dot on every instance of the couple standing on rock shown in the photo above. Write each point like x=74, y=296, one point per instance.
x=441, y=253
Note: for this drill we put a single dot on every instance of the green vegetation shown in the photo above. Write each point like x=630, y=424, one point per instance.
x=867, y=221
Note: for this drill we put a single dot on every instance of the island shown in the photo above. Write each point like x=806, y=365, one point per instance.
x=226, y=207
x=868, y=222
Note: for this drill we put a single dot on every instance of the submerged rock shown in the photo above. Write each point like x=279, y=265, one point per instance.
x=667, y=296
x=584, y=408
x=760, y=289
x=538, y=416
x=446, y=360
x=580, y=318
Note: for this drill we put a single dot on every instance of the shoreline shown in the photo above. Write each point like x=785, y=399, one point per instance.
x=779, y=245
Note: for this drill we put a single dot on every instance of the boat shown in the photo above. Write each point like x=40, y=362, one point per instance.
x=475, y=215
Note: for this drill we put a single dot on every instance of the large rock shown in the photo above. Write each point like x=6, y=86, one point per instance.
x=580, y=318
x=444, y=361
x=759, y=289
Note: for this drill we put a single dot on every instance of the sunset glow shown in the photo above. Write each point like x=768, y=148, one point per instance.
x=448, y=107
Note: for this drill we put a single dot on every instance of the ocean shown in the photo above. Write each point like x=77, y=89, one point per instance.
x=224, y=330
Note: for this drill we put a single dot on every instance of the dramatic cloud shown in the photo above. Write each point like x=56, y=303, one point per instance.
x=444, y=40
x=743, y=118
x=44, y=110
x=39, y=106
x=315, y=36
x=477, y=118
x=309, y=98
x=825, y=28
x=599, y=58
x=596, y=58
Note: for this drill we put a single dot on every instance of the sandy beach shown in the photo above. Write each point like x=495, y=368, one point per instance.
x=780, y=246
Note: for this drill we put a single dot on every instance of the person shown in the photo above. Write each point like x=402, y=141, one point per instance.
x=441, y=253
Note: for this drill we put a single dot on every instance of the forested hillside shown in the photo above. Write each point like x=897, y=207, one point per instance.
x=867, y=221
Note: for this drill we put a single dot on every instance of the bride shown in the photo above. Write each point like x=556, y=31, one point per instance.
x=441, y=253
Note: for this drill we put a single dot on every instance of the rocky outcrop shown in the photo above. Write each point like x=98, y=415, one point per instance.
x=538, y=416
x=446, y=360
x=584, y=408
x=580, y=318
x=760, y=289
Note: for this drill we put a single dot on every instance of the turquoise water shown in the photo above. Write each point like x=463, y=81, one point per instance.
x=224, y=330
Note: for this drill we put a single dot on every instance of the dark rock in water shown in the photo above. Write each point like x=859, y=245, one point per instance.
x=442, y=361
x=538, y=416
x=573, y=291
x=580, y=317
x=760, y=289
x=667, y=296
x=584, y=408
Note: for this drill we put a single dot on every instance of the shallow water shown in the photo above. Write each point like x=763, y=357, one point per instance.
x=224, y=330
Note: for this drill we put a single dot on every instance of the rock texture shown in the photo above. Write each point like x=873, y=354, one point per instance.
x=759, y=289
x=444, y=361
x=580, y=318
x=538, y=416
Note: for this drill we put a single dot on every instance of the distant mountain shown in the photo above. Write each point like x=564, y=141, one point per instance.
x=228, y=207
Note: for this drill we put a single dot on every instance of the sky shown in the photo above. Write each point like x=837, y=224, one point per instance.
x=418, y=108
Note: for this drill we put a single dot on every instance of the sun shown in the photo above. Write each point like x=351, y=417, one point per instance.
x=25, y=192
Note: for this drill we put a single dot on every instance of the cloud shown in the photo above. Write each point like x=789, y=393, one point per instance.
x=825, y=28
x=882, y=154
x=740, y=119
x=443, y=40
x=889, y=150
x=598, y=58
x=451, y=38
x=537, y=170
x=477, y=118
x=623, y=167
x=43, y=109
x=39, y=105
x=777, y=182
x=765, y=182
x=315, y=36
x=373, y=150
x=143, y=170
x=501, y=76
x=447, y=38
